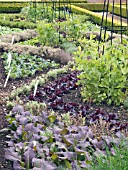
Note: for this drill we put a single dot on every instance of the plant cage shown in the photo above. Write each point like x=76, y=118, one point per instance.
x=114, y=19
x=59, y=10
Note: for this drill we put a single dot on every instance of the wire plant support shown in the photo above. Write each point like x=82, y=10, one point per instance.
x=114, y=20
x=58, y=9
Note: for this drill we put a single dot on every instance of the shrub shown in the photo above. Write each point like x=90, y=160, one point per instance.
x=117, y=10
x=48, y=35
x=11, y=7
x=21, y=24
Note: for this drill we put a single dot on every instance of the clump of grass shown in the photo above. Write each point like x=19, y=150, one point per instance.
x=116, y=159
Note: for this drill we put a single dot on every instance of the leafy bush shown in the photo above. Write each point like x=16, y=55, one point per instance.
x=96, y=18
x=48, y=35
x=42, y=11
x=103, y=78
x=70, y=30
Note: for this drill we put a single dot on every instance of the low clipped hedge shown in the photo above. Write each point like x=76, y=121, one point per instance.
x=95, y=18
x=99, y=7
x=48, y=1
x=11, y=7
x=15, y=7
x=21, y=24
x=14, y=21
x=117, y=10
x=9, y=16
x=91, y=6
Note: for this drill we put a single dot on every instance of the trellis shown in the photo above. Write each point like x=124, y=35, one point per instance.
x=121, y=27
x=60, y=7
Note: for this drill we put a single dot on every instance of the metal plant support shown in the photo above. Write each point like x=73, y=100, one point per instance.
x=59, y=10
x=122, y=17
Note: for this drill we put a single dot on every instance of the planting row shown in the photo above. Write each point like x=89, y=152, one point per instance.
x=7, y=30
x=53, y=96
x=25, y=65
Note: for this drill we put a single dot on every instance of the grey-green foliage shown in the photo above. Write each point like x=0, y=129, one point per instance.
x=26, y=65
x=7, y=30
x=103, y=77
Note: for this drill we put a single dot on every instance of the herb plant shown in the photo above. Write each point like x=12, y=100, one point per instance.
x=113, y=162
x=70, y=31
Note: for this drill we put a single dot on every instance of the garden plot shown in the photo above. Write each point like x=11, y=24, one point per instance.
x=67, y=116
x=7, y=30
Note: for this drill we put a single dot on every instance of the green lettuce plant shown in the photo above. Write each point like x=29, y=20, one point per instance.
x=103, y=77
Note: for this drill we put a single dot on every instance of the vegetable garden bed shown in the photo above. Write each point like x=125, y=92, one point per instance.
x=64, y=105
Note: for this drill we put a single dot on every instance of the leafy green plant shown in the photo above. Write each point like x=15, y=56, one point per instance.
x=68, y=33
x=48, y=35
x=103, y=78
x=32, y=42
x=113, y=162
x=7, y=30
x=41, y=12
x=25, y=65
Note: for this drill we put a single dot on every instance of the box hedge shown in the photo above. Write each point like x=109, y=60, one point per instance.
x=117, y=10
x=91, y=6
x=12, y=7
x=21, y=24
x=96, y=7
x=96, y=18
